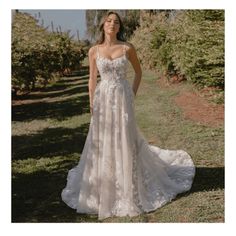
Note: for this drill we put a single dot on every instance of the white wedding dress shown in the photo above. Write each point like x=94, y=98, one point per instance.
x=119, y=173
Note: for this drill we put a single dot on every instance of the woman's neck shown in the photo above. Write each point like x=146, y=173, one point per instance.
x=110, y=40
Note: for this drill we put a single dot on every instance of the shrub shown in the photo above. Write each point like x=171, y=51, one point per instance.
x=37, y=54
x=189, y=43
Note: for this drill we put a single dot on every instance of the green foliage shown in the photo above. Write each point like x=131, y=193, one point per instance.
x=189, y=43
x=199, y=47
x=131, y=22
x=143, y=44
x=151, y=41
x=37, y=54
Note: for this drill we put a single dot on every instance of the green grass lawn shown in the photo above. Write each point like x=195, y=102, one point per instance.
x=49, y=129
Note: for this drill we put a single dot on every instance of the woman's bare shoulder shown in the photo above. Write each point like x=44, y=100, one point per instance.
x=129, y=46
x=130, y=49
x=92, y=51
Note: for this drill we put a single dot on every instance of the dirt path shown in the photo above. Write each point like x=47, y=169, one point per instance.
x=199, y=110
x=196, y=107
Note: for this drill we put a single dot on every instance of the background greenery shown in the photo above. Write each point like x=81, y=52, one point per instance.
x=39, y=55
x=188, y=44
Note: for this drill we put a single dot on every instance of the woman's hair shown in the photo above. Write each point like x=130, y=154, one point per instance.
x=120, y=34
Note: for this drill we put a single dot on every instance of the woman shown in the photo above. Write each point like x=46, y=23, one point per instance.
x=119, y=173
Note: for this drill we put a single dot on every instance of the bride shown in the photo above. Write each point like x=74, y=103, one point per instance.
x=119, y=173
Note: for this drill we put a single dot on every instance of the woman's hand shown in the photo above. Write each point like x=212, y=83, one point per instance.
x=91, y=110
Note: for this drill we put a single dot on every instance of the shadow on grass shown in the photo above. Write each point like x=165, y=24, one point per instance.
x=54, y=89
x=59, y=110
x=49, y=142
x=208, y=179
x=64, y=83
x=47, y=95
x=37, y=196
x=75, y=80
x=84, y=70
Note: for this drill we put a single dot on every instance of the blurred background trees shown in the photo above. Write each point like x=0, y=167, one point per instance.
x=38, y=55
x=187, y=44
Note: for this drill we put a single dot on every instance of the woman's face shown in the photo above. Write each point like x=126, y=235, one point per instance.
x=112, y=24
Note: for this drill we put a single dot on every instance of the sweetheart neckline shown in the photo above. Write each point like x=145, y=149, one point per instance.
x=111, y=60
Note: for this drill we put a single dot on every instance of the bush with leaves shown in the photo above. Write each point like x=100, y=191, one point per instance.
x=142, y=40
x=189, y=43
x=198, y=46
x=38, y=54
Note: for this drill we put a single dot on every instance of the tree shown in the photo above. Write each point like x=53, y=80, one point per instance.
x=198, y=46
x=189, y=43
x=38, y=54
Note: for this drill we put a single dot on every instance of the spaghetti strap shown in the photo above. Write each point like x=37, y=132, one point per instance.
x=97, y=51
x=125, y=51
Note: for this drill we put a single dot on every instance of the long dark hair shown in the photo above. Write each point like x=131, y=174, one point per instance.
x=120, y=34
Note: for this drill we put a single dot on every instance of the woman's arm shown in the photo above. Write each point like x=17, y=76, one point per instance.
x=137, y=68
x=92, y=75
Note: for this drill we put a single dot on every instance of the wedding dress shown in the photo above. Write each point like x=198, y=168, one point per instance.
x=119, y=173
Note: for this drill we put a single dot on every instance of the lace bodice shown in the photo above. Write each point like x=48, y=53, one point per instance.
x=113, y=69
